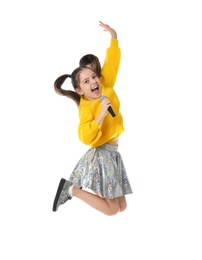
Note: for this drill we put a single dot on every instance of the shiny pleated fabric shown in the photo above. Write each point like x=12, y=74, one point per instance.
x=102, y=170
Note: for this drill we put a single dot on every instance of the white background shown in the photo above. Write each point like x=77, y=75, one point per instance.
x=159, y=85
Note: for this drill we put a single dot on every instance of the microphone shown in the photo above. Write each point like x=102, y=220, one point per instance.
x=111, y=111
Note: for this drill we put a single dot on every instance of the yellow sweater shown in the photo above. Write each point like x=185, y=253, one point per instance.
x=89, y=131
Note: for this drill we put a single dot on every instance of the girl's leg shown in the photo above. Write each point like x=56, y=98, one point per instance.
x=122, y=203
x=107, y=206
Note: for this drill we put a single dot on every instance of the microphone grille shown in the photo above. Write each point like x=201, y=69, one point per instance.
x=102, y=97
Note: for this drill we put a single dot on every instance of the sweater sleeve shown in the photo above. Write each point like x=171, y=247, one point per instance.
x=111, y=64
x=89, y=130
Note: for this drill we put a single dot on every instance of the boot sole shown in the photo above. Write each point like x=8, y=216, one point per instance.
x=59, y=190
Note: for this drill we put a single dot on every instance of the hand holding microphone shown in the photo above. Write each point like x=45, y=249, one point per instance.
x=111, y=111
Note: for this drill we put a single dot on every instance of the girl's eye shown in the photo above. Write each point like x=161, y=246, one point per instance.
x=94, y=76
x=86, y=82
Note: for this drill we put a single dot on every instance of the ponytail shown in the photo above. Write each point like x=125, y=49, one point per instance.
x=68, y=93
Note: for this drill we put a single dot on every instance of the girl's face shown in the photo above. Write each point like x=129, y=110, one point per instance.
x=89, y=85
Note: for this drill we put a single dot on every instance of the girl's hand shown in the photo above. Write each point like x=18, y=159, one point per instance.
x=108, y=29
x=105, y=104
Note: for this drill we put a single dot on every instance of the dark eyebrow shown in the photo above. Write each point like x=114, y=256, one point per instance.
x=85, y=79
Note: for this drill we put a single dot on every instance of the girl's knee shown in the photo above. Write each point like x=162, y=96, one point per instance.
x=113, y=211
x=116, y=205
x=116, y=209
x=122, y=208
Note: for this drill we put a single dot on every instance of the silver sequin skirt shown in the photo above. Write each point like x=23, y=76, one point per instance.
x=102, y=170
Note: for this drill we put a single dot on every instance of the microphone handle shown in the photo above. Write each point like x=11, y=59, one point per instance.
x=111, y=111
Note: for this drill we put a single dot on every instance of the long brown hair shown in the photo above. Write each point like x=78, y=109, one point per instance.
x=75, y=80
x=63, y=92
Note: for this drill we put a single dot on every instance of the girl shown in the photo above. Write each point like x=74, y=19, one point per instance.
x=101, y=169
